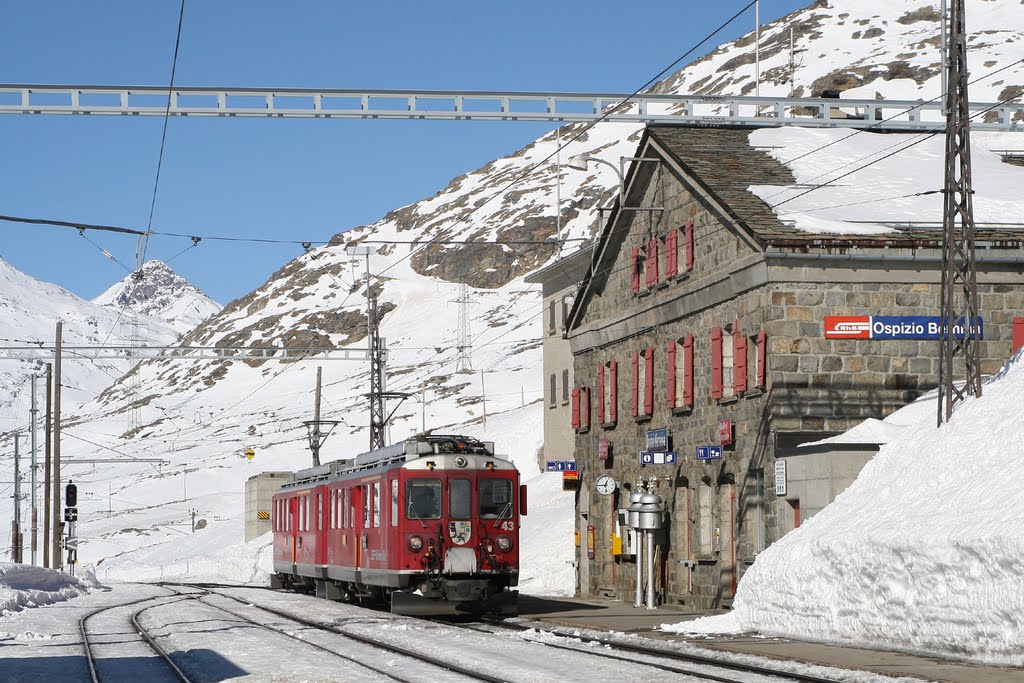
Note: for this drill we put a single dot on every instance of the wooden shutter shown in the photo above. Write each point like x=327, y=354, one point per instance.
x=672, y=253
x=575, y=408
x=651, y=267
x=688, y=236
x=649, y=381
x=600, y=393
x=635, y=265
x=716, y=362
x=688, y=369
x=1018, y=334
x=670, y=384
x=739, y=360
x=613, y=409
x=636, y=383
x=762, y=356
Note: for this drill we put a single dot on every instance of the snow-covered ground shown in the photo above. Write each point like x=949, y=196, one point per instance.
x=924, y=552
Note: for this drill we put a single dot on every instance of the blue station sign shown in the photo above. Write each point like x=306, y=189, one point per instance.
x=560, y=466
x=657, y=439
x=657, y=458
x=895, y=327
x=709, y=452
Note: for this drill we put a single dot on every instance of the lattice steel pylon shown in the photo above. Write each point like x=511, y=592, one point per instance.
x=377, y=418
x=464, y=346
x=960, y=333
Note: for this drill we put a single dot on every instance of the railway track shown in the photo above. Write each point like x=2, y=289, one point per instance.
x=92, y=660
x=654, y=653
x=208, y=590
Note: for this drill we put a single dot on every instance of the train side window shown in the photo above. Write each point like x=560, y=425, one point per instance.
x=394, y=502
x=319, y=511
x=366, y=505
x=346, y=514
x=376, y=504
x=423, y=498
x=460, y=503
x=495, y=498
x=305, y=507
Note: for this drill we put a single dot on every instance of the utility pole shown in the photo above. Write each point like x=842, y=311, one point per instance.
x=483, y=395
x=46, y=467
x=757, y=50
x=960, y=333
x=315, y=442
x=463, y=345
x=58, y=560
x=16, y=545
x=35, y=512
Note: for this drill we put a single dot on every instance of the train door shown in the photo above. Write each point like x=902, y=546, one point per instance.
x=293, y=526
x=359, y=511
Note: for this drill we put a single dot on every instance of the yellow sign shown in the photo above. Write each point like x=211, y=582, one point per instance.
x=262, y=515
x=249, y=453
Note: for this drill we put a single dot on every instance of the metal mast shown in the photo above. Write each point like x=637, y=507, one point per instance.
x=464, y=346
x=960, y=336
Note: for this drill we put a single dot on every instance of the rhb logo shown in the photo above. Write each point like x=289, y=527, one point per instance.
x=847, y=327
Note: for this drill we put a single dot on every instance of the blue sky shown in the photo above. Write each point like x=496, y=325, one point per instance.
x=289, y=178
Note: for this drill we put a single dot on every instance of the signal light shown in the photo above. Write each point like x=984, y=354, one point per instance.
x=70, y=495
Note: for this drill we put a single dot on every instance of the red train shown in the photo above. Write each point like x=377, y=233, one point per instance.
x=430, y=525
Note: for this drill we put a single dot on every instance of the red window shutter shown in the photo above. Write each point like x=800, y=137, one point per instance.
x=739, y=361
x=1018, y=334
x=575, y=408
x=672, y=253
x=636, y=383
x=716, y=362
x=651, y=267
x=635, y=263
x=649, y=381
x=762, y=356
x=600, y=393
x=688, y=236
x=688, y=369
x=613, y=409
x=670, y=383
x=586, y=407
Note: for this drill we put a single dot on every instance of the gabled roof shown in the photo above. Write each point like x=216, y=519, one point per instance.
x=719, y=165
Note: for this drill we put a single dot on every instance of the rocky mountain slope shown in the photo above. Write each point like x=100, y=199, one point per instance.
x=157, y=291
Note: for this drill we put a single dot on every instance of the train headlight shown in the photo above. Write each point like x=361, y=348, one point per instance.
x=504, y=544
x=461, y=462
x=415, y=544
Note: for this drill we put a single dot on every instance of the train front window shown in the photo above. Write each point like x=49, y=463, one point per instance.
x=495, y=497
x=423, y=499
x=460, y=503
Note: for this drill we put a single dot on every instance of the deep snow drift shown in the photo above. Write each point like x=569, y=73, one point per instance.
x=22, y=586
x=923, y=553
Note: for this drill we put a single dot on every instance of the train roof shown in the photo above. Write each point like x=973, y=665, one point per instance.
x=408, y=451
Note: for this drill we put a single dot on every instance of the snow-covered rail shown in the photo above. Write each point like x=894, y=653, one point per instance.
x=698, y=110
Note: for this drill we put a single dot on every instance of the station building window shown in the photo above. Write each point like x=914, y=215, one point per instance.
x=607, y=397
x=643, y=383
x=679, y=386
x=705, y=519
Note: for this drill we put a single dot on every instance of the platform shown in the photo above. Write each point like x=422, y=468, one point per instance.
x=613, y=615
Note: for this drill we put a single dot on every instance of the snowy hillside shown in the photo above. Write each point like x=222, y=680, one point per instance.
x=31, y=310
x=159, y=292
x=199, y=416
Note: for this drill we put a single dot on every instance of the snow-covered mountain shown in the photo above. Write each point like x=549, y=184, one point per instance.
x=157, y=291
x=30, y=310
x=199, y=416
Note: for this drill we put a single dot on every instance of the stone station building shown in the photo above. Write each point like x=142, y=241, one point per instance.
x=702, y=314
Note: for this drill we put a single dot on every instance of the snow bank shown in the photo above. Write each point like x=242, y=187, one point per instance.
x=23, y=585
x=923, y=553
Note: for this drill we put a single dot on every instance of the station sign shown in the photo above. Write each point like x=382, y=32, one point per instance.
x=725, y=431
x=894, y=327
x=709, y=452
x=604, y=449
x=657, y=457
x=780, y=477
x=560, y=466
x=570, y=476
x=657, y=439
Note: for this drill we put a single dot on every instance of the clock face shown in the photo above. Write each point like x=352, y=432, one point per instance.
x=605, y=484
